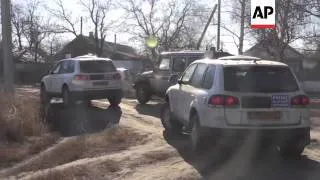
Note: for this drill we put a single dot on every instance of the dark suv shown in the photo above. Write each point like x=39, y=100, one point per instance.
x=156, y=82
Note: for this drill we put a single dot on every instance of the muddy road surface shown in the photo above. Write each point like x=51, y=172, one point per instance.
x=148, y=153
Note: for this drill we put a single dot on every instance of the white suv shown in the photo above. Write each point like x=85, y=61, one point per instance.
x=239, y=93
x=83, y=78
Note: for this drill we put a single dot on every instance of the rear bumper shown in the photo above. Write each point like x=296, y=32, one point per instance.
x=96, y=94
x=299, y=136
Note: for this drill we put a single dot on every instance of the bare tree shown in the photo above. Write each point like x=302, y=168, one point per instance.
x=18, y=22
x=30, y=27
x=66, y=23
x=97, y=12
x=311, y=8
x=240, y=14
x=173, y=23
x=290, y=23
x=53, y=44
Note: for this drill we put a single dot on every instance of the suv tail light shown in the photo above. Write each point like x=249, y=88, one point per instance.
x=223, y=100
x=300, y=100
x=117, y=76
x=81, y=77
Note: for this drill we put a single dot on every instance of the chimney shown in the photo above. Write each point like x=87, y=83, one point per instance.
x=91, y=35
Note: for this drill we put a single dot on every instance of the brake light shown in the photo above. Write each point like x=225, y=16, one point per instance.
x=300, y=100
x=223, y=100
x=117, y=76
x=81, y=77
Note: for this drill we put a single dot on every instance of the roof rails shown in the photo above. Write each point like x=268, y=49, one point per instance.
x=241, y=57
x=87, y=56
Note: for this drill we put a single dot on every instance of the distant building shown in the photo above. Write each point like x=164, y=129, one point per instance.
x=82, y=45
x=292, y=57
x=311, y=74
x=123, y=56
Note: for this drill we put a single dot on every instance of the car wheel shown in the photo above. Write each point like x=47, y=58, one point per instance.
x=293, y=151
x=171, y=125
x=66, y=96
x=115, y=100
x=44, y=98
x=195, y=134
x=143, y=94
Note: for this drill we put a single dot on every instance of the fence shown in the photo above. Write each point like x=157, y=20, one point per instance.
x=30, y=73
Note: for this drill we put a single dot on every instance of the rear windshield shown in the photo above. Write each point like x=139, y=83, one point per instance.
x=259, y=79
x=97, y=67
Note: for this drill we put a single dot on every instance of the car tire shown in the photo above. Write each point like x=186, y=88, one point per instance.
x=143, y=93
x=291, y=151
x=115, y=100
x=44, y=97
x=171, y=126
x=196, y=134
x=44, y=103
x=67, y=97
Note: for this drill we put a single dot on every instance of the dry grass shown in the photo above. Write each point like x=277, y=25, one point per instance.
x=110, y=166
x=151, y=157
x=19, y=118
x=114, y=139
x=16, y=152
x=86, y=146
x=22, y=133
x=71, y=173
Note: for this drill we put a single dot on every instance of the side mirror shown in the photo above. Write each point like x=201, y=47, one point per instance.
x=173, y=79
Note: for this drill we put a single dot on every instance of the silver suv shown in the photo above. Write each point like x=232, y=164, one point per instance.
x=237, y=94
x=82, y=78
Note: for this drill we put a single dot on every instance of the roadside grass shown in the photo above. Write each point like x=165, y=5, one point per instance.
x=151, y=157
x=22, y=133
x=72, y=149
x=19, y=118
x=79, y=172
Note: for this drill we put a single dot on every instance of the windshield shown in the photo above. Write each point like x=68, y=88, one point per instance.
x=259, y=79
x=97, y=66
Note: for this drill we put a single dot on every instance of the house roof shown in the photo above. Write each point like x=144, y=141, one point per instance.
x=264, y=50
x=83, y=45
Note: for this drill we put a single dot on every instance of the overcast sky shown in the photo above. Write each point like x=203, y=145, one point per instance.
x=226, y=37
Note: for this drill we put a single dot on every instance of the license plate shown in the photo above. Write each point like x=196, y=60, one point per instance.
x=264, y=116
x=103, y=83
x=280, y=101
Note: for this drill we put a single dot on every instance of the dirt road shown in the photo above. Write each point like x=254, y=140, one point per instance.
x=145, y=152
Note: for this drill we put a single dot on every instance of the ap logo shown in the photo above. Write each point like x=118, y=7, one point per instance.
x=263, y=14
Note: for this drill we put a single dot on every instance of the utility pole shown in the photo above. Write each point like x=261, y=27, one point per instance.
x=206, y=27
x=81, y=26
x=115, y=42
x=8, y=66
x=219, y=24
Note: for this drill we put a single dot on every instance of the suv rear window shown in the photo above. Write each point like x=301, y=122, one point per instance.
x=259, y=79
x=97, y=66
